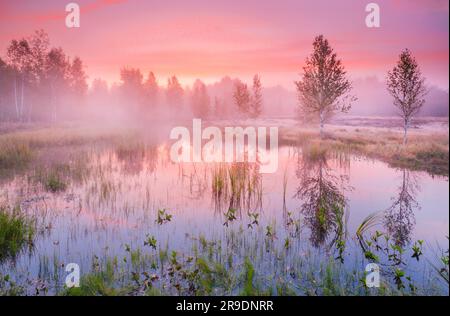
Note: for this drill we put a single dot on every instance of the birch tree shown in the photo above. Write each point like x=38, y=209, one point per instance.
x=324, y=88
x=19, y=57
x=406, y=85
x=257, y=99
x=242, y=98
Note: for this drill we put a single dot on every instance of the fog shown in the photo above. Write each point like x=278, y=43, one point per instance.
x=40, y=83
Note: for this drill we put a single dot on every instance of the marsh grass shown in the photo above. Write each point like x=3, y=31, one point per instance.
x=8, y=287
x=105, y=281
x=259, y=263
x=208, y=272
x=19, y=148
x=14, y=155
x=424, y=152
x=53, y=179
x=56, y=177
x=45, y=137
x=16, y=231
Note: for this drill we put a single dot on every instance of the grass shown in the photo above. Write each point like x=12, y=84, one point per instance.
x=45, y=137
x=244, y=263
x=14, y=155
x=16, y=231
x=195, y=274
x=428, y=152
x=424, y=152
x=20, y=147
x=54, y=183
x=102, y=282
x=53, y=178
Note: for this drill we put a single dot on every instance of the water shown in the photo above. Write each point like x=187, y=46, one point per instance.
x=112, y=204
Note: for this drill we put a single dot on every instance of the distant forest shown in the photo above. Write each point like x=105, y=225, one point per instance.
x=39, y=82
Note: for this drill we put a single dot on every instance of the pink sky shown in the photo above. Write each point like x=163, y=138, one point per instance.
x=210, y=39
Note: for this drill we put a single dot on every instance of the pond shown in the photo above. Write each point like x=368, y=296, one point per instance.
x=321, y=209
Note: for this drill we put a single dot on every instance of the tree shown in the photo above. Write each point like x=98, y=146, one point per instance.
x=6, y=84
x=99, y=95
x=256, y=100
x=132, y=83
x=99, y=87
x=20, y=57
x=131, y=78
x=219, y=109
x=174, y=92
x=324, y=88
x=200, y=100
x=39, y=45
x=77, y=78
x=407, y=86
x=242, y=97
x=56, y=72
x=151, y=88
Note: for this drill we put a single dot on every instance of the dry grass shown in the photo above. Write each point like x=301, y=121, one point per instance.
x=20, y=147
x=59, y=136
x=14, y=154
x=424, y=151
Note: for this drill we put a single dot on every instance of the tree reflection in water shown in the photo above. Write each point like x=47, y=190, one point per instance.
x=399, y=218
x=323, y=203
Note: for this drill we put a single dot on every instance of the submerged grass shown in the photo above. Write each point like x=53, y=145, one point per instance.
x=16, y=231
x=102, y=282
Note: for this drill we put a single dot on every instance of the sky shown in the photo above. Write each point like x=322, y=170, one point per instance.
x=210, y=39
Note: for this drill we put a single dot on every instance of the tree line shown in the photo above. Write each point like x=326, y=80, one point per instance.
x=41, y=83
x=34, y=77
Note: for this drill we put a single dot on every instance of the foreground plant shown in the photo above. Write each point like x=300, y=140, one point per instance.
x=16, y=231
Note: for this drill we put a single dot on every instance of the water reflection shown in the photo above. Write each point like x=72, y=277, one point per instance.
x=399, y=218
x=121, y=190
x=133, y=157
x=321, y=191
x=237, y=188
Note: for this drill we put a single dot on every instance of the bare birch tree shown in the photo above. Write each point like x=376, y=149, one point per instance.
x=242, y=97
x=256, y=101
x=324, y=88
x=407, y=86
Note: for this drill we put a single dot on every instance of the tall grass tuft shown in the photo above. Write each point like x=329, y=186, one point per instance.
x=16, y=231
x=14, y=155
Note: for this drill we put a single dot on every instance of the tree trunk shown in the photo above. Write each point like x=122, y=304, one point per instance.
x=15, y=97
x=21, y=100
x=405, y=133
x=30, y=111
x=321, y=125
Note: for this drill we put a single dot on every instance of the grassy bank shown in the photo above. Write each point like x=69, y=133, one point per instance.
x=425, y=152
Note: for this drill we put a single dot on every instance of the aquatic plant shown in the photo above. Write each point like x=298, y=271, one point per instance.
x=150, y=241
x=163, y=217
x=54, y=183
x=230, y=216
x=16, y=231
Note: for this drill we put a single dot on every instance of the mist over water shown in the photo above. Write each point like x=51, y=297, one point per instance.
x=284, y=150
